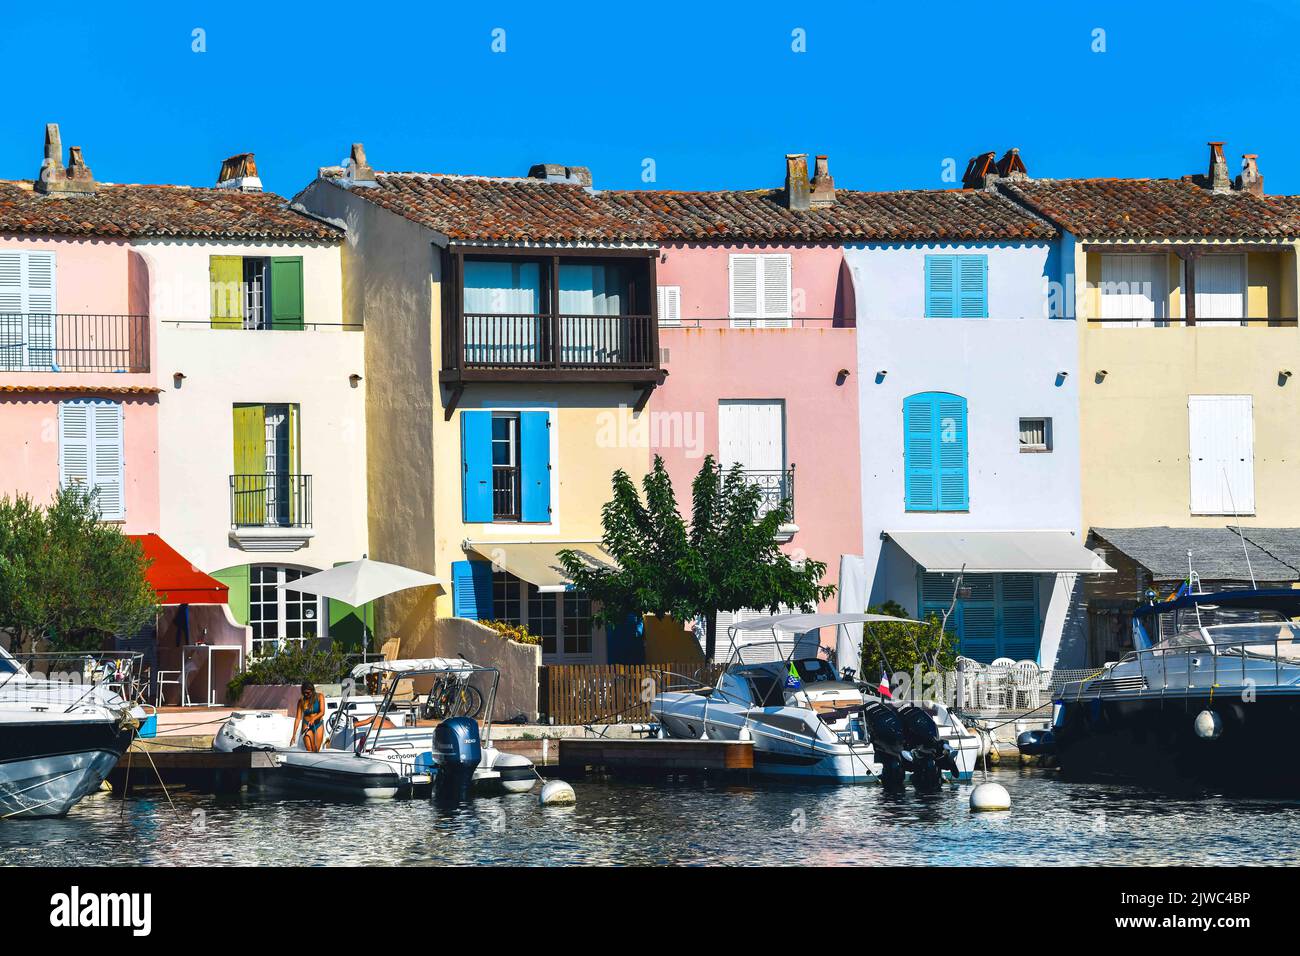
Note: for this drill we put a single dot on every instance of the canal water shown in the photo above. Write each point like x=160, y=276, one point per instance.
x=1052, y=822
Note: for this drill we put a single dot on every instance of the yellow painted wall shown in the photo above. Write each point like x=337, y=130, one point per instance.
x=1134, y=427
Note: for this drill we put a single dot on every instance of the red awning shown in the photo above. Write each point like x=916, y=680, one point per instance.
x=174, y=578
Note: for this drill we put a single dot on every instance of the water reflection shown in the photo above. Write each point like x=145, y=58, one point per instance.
x=1052, y=822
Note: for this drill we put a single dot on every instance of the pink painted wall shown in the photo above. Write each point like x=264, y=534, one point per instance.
x=29, y=442
x=800, y=365
x=821, y=287
x=92, y=276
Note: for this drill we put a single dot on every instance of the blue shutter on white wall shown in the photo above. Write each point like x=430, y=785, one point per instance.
x=950, y=426
x=476, y=465
x=940, y=287
x=535, y=466
x=920, y=475
x=1018, y=610
x=471, y=590
x=999, y=619
x=972, y=287
x=935, y=452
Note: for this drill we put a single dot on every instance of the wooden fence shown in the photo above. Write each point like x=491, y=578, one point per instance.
x=613, y=693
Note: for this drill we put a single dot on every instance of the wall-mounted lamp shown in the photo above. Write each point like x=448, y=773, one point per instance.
x=1061, y=377
x=177, y=379
x=841, y=376
x=1282, y=376
x=880, y=376
x=354, y=379
x=1101, y=375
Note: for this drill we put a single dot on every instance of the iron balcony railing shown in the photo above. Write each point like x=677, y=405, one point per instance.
x=73, y=342
x=775, y=487
x=543, y=341
x=270, y=501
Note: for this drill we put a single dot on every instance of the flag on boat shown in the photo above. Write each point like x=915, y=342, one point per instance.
x=792, y=680
x=884, y=686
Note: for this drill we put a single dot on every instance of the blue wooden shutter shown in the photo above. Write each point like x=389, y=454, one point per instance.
x=951, y=452
x=972, y=284
x=535, y=466
x=1018, y=634
x=940, y=287
x=476, y=464
x=471, y=589
x=920, y=467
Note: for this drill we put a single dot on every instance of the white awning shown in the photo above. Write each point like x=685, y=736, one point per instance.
x=1005, y=552
x=536, y=562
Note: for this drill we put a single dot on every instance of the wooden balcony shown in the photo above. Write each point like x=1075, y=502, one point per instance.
x=552, y=345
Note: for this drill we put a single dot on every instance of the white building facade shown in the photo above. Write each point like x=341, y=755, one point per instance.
x=968, y=395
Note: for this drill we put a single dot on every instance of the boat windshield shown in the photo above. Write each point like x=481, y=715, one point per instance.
x=7, y=664
x=1258, y=637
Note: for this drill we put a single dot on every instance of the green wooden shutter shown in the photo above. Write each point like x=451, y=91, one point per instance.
x=249, y=463
x=227, y=276
x=237, y=580
x=286, y=292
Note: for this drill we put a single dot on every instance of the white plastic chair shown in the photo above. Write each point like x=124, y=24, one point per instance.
x=1001, y=676
x=164, y=679
x=1025, y=678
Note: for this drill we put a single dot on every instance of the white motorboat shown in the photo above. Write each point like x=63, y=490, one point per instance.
x=59, y=738
x=273, y=730
x=809, y=721
x=386, y=749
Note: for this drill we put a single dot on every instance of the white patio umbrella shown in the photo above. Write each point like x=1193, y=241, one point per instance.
x=361, y=582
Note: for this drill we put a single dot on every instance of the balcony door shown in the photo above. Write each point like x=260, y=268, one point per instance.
x=27, y=319
x=1221, y=287
x=751, y=433
x=265, y=483
x=503, y=312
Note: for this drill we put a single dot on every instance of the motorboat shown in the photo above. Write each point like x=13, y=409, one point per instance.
x=273, y=730
x=60, y=735
x=808, y=719
x=1207, y=697
x=393, y=749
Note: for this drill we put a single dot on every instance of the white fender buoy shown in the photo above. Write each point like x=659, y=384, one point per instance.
x=556, y=792
x=1208, y=725
x=745, y=733
x=990, y=796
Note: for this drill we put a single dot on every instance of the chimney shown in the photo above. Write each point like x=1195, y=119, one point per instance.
x=1250, y=180
x=1218, y=179
x=559, y=173
x=981, y=171
x=54, y=179
x=796, y=181
x=1011, y=167
x=823, y=186
x=239, y=173
x=357, y=169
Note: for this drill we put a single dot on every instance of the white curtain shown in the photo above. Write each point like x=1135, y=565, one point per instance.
x=589, y=293
x=502, y=302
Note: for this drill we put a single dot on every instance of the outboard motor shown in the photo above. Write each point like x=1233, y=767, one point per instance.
x=888, y=740
x=458, y=750
x=929, y=755
x=1037, y=743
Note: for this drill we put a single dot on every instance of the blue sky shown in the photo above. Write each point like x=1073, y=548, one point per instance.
x=714, y=97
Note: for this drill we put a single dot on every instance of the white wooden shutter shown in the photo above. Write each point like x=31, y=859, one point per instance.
x=91, y=454
x=40, y=309
x=776, y=292
x=74, y=443
x=1221, y=451
x=743, y=270
x=752, y=434
x=670, y=305
x=1221, y=287
x=108, y=465
x=12, y=321
x=1132, y=287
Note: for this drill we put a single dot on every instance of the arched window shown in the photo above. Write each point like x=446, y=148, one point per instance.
x=934, y=452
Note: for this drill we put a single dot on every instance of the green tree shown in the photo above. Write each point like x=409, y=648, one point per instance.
x=66, y=578
x=894, y=648
x=726, y=559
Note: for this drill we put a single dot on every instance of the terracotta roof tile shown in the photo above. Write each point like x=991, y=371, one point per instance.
x=470, y=208
x=138, y=212
x=467, y=209
x=1155, y=208
x=79, y=390
x=903, y=216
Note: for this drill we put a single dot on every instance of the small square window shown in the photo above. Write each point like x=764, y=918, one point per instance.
x=1035, y=435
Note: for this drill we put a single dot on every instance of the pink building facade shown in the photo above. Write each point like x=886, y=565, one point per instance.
x=78, y=391
x=759, y=344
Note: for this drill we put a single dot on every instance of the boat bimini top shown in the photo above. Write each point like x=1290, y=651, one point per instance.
x=420, y=665
x=802, y=623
